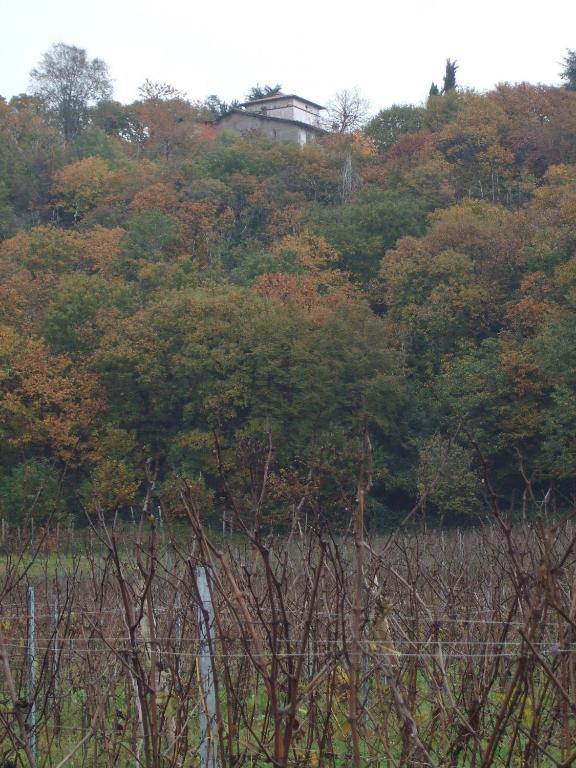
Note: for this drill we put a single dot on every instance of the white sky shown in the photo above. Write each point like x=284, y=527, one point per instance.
x=391, y=50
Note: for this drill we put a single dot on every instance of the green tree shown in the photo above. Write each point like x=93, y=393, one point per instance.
x=69, y=83
x=95, y=142
x=226, y=361
x=151, y=237
x=442, y=110
x=385, y=128
x=568, y=74
x=217, y=107
x=555, y=346
x=30, y=152
x=434, y=301
x=81, y=308
x=450, y=76
x=446, y=476
x=31, y=489
x=496, y=390
x=362, y=230
x=263, y=91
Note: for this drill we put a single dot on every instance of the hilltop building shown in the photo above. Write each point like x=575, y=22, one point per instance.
x=281, y=117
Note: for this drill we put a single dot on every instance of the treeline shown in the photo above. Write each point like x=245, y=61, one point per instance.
x=180, y=305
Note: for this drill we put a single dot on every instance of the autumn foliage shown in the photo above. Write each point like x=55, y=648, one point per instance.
x=172, y=299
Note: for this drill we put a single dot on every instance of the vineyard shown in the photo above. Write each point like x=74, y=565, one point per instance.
x=151, y=646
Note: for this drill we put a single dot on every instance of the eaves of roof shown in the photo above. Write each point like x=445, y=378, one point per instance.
x=281, y=97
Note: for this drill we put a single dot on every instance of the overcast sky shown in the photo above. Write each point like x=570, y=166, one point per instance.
x=391, y=51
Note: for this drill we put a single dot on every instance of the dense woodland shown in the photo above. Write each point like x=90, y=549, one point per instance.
x=180, y=305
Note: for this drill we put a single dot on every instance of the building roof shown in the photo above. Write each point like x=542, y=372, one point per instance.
x=259, y=116
x=280, y=97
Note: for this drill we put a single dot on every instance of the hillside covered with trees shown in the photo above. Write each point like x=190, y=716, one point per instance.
x=176, y=304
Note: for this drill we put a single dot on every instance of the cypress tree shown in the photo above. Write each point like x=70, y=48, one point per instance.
x=450, y=76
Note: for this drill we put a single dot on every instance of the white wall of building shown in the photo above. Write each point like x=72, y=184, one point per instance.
x=289, y=109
